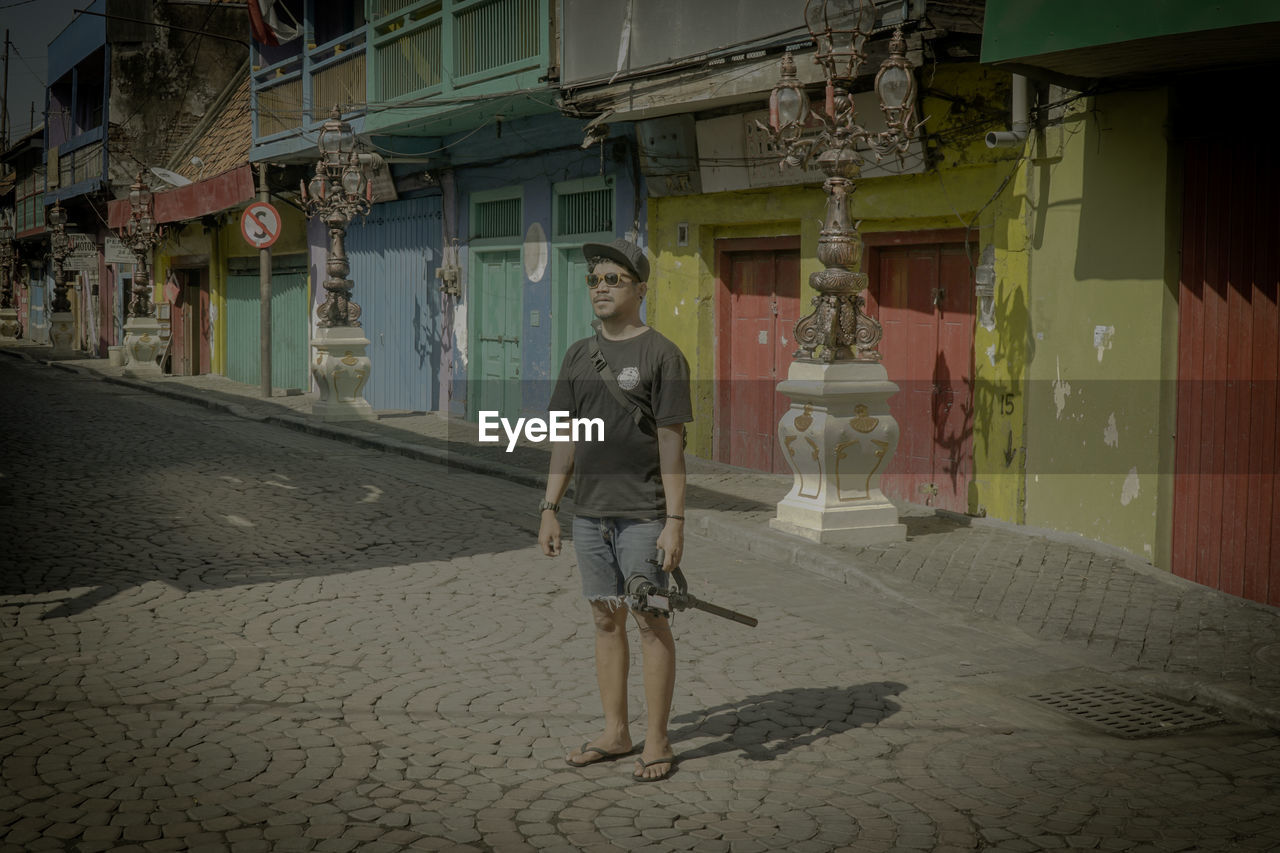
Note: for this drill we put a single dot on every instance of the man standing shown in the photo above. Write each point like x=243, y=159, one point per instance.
x=629, y=491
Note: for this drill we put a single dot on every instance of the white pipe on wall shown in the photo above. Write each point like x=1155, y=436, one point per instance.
x=1018, y=121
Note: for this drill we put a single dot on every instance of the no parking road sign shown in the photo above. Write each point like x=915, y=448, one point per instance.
x=260, y=224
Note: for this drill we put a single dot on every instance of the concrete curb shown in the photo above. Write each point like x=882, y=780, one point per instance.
x=784, y=550
x=322, y=430
x=1234, y=700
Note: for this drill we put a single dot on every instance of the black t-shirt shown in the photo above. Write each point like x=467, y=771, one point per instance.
x=621, y=475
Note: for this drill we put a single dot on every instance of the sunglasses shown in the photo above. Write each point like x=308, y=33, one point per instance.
x=612, y=279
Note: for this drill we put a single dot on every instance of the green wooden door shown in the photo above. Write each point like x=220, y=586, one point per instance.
x=500, y=295
x=290, y=347
x=571, y=312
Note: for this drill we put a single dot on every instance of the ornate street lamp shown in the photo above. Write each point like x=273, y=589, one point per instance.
x=60, y=249
x=838, y=435
x=339, y=191
x=838, y=329
x=9, y=325
x=142, y=341
x=6, y=264
x=141, y=234
x=61, y=320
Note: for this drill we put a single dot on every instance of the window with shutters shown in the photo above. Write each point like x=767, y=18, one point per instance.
x=496, y=218
x=584, y=210
x=420, y=46
x=29, y=202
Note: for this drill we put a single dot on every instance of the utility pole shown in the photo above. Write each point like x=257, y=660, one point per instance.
x=264, y=295
x=4, y=101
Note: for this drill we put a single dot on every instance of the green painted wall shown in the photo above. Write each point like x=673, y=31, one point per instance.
x=1103, y=323
x=230, y=243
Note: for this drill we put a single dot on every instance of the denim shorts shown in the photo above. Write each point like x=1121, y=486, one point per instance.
x=610, y=550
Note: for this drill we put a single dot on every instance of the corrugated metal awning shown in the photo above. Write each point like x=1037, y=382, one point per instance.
x=212, y=195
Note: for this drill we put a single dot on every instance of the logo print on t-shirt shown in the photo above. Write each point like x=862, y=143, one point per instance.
x=628, y=378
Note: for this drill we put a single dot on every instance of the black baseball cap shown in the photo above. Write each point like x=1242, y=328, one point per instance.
x=622, y=252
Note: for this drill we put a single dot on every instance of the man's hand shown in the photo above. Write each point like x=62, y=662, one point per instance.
x=549, y=534
x=557, y=483
x=671, y=544
x=671, y=463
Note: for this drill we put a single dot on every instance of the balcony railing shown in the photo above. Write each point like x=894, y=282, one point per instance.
x=280, y=108
x=299, y=92
x=410, y=49
x=28, y=208
x=491, y=37
x=445, y=47
x=410, y=62
x=339, y=81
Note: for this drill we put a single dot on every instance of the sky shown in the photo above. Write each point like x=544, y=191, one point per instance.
x=32, y=24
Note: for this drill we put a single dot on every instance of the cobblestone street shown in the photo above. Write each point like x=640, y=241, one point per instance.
x=222, y=635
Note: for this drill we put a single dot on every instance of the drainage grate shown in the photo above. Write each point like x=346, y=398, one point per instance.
x=1125, y=713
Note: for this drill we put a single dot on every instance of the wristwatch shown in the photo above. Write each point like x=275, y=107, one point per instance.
x=545, y=505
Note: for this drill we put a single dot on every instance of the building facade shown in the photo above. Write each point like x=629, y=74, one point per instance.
x=461, y=266
x=130, y=85
x=1138, y=274
x=734, y=235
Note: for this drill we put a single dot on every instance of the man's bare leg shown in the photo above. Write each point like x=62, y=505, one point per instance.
x=658, y=649
x=613, y=661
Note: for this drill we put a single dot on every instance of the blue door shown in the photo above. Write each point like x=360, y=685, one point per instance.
x=37, y=329
x=394, y=253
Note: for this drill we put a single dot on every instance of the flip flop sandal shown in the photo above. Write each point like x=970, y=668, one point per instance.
x=641, y=765
x=604, y=756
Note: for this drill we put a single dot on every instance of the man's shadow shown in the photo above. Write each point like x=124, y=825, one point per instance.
x=764, y=727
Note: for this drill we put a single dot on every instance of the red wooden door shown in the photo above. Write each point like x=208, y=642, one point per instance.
x=923, y=296
x=190, y=350
x=1227, y=475
x=757, y=305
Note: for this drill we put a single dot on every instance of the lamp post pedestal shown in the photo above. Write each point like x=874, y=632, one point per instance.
x=341, y=369
x=141, y=346
x=838, y=437
x=339, y=191
x=62, y=331
x=9, y=324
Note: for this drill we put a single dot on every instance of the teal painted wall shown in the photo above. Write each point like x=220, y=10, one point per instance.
x=289, y=328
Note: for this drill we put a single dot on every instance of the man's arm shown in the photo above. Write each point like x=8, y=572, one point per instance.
x=671, y=464
x=561, y=469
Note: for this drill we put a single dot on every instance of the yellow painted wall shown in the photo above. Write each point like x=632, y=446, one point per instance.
x=968, y=176
x=1002, y=349
x=682, y=290
x=1103, y=323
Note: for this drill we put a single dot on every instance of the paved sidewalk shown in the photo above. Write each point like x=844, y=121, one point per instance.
x=1121, y=615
